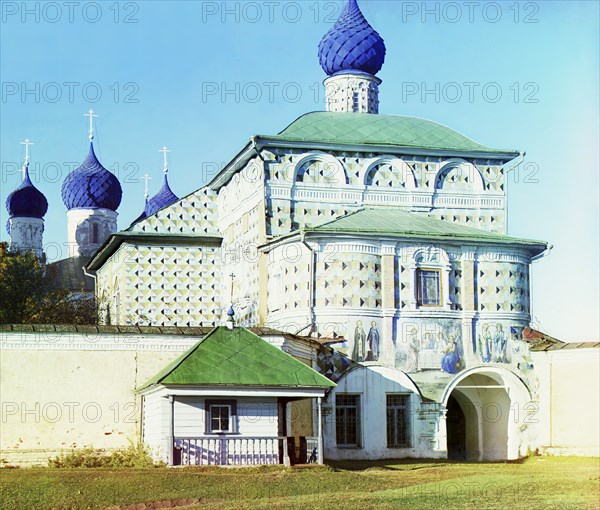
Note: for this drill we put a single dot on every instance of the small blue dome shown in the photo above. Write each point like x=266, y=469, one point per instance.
x=27, y=201
x=162, y=199
x=230, y=311
x=91, y=186
x=352, y=44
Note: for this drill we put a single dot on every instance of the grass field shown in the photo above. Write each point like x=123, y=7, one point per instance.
x=536, y=483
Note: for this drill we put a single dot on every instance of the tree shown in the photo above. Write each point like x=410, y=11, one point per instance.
x=27, y=294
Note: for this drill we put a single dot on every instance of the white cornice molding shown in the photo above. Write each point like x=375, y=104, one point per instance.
x=48, y=341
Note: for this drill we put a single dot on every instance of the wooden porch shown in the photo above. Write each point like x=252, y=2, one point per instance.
x=221, y=450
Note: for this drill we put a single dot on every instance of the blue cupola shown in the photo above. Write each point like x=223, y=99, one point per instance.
x=162, y=199
x=26, y=201
x=91, y=186
x=352, y=44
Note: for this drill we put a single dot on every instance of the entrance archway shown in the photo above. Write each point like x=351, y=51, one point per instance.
x=456, y=431
x=482, y=415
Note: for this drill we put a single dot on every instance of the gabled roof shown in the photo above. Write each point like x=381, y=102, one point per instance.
x=113, y=242
x=380, y=130
x=237, y=357
x=395, y=222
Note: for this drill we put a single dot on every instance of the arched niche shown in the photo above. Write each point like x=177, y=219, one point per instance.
x=459, y=176
x=389, y=172
x=319, y=168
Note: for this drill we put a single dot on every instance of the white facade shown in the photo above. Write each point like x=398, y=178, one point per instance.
x=177, y=416
x=26, y=234
x=352, y=92
x=87, y=229
x=373, y=384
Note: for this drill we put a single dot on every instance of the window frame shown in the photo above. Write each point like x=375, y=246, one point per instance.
x=397, y=409
x=358, y=424
x=233, y=422
x=438, y=271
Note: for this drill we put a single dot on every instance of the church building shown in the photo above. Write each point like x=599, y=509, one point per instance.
x=365, y=254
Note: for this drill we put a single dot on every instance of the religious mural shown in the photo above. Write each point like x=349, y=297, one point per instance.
x=366, y=346
x=501, y=343
x=360, y=340
x=430, y=345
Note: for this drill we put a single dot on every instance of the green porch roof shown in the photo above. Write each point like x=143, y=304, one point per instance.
x=237, y=357
x=379, y=130
x=396, y=222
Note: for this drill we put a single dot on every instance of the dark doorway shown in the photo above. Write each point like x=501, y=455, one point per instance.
x=456, y=431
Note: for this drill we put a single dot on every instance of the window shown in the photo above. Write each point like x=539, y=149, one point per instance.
x=355, y=102
x=429, y=287
x=220, y=417
x=398, y=421
x=347, y=420
x=95, y=233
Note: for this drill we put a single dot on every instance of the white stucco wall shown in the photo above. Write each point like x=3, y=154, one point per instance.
x=568, y=419
x=372, y=384
x=59, y=391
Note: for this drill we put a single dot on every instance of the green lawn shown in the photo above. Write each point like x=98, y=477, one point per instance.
x=538, y=482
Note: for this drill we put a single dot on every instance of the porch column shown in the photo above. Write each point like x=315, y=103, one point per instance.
x=320, y=430
x=171, y=430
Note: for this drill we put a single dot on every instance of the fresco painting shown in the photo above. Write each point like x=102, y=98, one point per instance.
x=359, y=340
x=431, y=345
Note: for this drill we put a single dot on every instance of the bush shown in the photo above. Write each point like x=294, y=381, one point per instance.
x=89, y=457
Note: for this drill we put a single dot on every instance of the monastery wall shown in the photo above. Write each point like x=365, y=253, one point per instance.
x=61, y=391
x=569, y=385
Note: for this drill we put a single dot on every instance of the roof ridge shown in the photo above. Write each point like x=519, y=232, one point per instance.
x=236, y=357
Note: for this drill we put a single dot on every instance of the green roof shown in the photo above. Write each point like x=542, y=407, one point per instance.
x=237, y=357
x=399, y=223
x=379, y=130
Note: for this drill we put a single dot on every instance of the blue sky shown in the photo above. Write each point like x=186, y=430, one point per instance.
x=201, y=77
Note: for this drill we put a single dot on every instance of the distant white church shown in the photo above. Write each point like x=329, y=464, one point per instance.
x=344, y=289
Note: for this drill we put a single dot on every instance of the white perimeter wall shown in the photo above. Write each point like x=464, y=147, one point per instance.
x=59, y=391
x=569, y=416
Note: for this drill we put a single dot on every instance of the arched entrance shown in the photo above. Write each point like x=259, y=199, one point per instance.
x=456, y=431
x=482, y=415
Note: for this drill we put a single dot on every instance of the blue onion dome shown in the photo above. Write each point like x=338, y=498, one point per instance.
x=91, y=186
x=27, y=201
x=230, y=311
x=352, y=44
x=162, y=199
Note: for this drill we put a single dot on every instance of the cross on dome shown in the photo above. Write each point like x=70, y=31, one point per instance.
x=147, y=192
x=91, y=115
x=164, y=150
x=26, y=143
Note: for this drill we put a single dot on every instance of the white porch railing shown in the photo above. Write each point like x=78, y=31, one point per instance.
x=238, y=451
